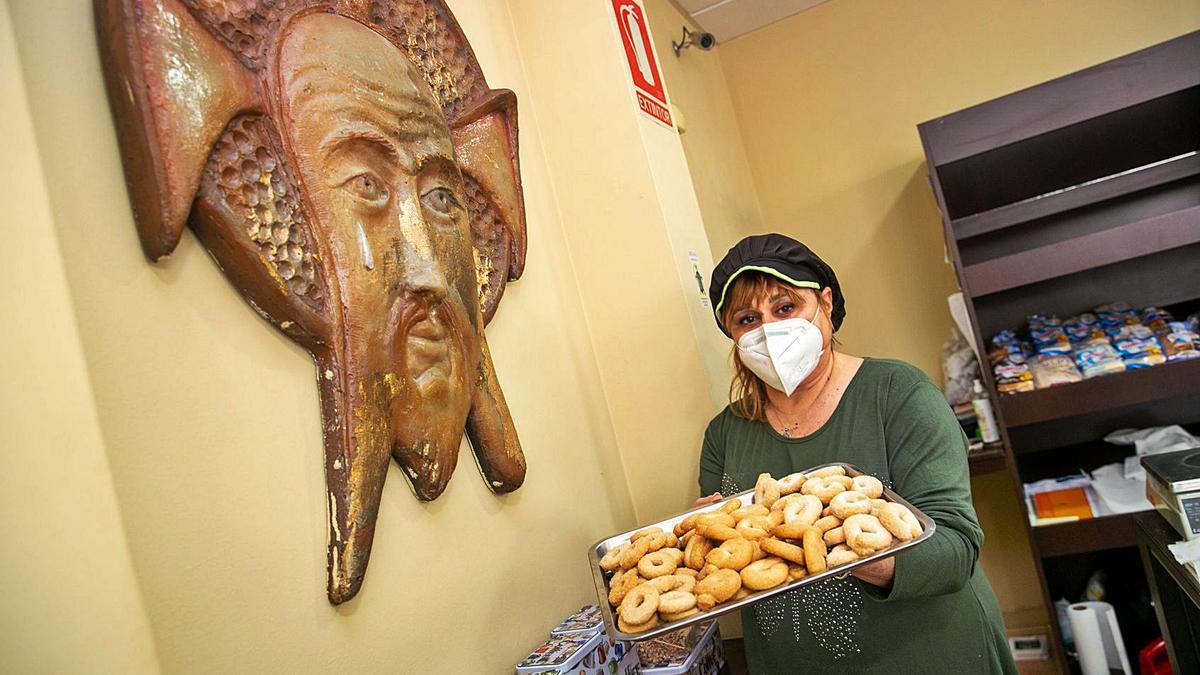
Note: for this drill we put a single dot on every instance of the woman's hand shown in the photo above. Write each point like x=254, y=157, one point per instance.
x=880, y=573
x=705, y=501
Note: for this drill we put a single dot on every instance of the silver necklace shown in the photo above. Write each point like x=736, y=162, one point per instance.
x=788, y=429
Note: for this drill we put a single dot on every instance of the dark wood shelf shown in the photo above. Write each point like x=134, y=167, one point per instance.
x=1108, y=392
x=1132, y=240
x=987, y=461
x=1057, y=461
x=1076, y=192
x=1086, y=194
x=1103, y=89
x=1085, y=536
x=1162, y=280
x=1156, y=534
x=1174, y=591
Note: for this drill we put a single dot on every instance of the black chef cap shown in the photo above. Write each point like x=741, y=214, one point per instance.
x=781, y=257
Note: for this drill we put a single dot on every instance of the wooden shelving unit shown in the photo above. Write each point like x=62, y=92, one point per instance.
x=1085, y=536
x=1078, y=196
x=1142, y=387
x=1051, y=418
x=1057, y=198
x=1090, y=251
x=987, y=461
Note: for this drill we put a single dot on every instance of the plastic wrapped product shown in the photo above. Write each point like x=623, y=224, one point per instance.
x=1043, y=320
x=1156, y=318
x=1003, y=338
x=1179, y=341
x=1141, y=352
x=960, y=368
x=1012, y=378
x=1138, y=347
x=1112, y=308
x=1006, y=347
x=694, y=651
x=1048, y=335
x=1051, y=371
x=1098, y=360
x=1008, y=360
x=1115, y=316
x=1084, y=329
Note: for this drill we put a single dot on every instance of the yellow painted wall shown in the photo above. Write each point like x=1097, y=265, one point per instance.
x=1005, y=556
x=71, y=602
x=712, y=140
x=629, y=222
x=206, y=425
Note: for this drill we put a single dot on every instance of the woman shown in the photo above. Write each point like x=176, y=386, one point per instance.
x=798, y=403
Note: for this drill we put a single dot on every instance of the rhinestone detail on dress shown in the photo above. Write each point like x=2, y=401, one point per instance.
x=829, y=610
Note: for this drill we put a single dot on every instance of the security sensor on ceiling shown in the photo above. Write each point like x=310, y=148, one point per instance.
x=704, y=41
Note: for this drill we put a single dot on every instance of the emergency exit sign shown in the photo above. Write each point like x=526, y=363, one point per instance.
x=643, y=65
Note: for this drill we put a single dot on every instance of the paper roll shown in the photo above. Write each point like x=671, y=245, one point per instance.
x=1098, y=639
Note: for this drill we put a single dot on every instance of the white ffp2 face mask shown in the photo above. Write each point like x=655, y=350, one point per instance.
x=782, y=353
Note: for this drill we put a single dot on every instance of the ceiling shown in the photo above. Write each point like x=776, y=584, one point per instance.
x=727, y=19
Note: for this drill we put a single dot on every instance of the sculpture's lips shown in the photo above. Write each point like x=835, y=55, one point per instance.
x=428, y=328
x=428, y=349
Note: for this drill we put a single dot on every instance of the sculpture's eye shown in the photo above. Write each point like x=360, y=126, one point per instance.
x=441, y=201
x=368, y=188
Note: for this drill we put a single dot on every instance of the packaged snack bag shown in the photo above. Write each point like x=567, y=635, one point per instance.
x=1116, y=315
x=1008, y=360
x=1053, y=370
x=1096, y=360
x=1004, y=337
x=1048, y=335
x=1156, y=318
x=1179, y=341
x=1084, y=329
x=1137, y=346
x=1043, y=320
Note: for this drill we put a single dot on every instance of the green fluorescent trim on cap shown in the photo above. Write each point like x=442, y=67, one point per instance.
x=765, y=270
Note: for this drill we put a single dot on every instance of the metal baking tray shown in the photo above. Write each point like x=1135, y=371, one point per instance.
x=603, y=546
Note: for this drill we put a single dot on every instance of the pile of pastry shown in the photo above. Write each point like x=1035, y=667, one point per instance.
x=798, y=525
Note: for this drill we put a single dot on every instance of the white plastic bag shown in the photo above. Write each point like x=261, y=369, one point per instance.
x=1151, y=441
x=960, y=368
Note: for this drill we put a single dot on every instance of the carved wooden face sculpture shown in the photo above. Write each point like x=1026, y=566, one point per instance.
x=353, y=176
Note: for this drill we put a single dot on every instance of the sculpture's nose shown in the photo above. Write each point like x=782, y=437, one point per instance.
x=425, y=280
x=424, y=277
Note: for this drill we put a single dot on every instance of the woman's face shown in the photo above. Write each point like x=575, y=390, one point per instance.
x=778, y=304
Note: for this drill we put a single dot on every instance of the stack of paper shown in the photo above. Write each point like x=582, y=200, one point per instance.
x=1057, y=500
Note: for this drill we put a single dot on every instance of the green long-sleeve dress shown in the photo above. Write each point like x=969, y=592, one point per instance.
x=940, y=615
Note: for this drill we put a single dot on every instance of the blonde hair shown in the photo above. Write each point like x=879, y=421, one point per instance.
x=748, y=393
